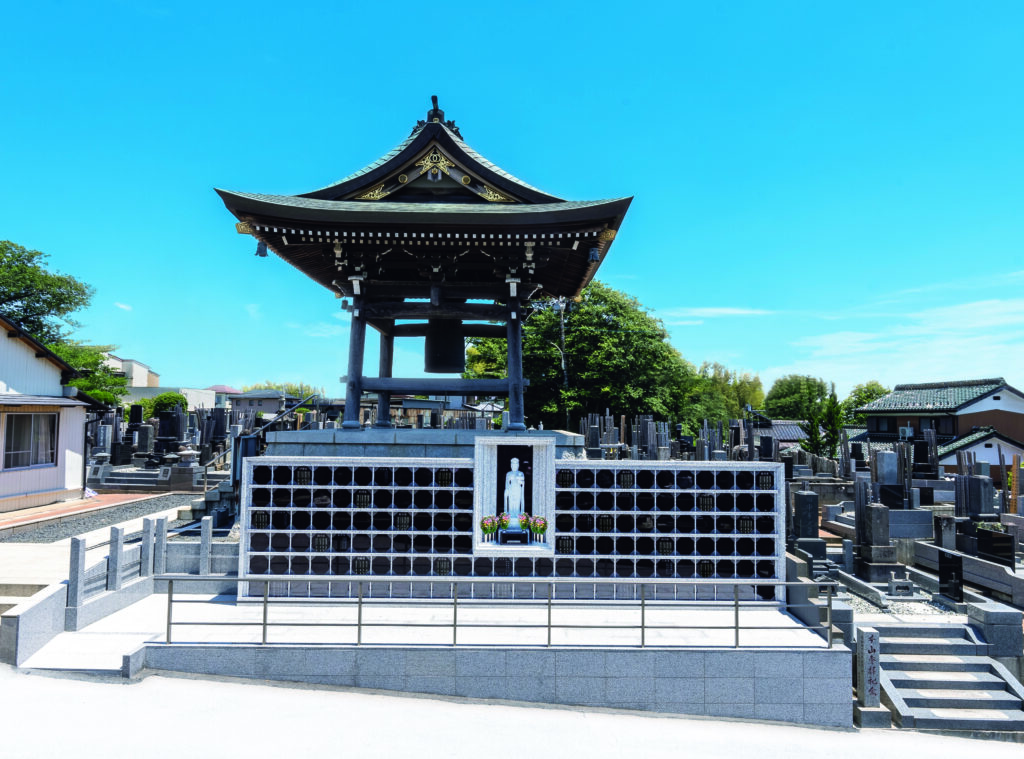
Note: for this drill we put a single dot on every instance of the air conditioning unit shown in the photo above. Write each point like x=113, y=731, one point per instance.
x=906, y=433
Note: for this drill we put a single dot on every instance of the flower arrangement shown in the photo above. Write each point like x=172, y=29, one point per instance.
x=524, y=521
x=538, y=525
x=504, y=520
x=489, y=525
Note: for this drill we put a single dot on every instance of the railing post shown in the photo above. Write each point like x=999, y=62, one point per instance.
x=266, y=599
x=455, y=613
x=643, y=617
x=736, y=613
x=551, y=592
x=205, y=545
x=828, y=618
x=146, y=549
x=359, y=616
x=160, y=549
x=76, y=575
x=170, y=600
x=115, y=558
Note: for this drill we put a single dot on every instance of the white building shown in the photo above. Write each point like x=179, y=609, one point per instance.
x=42, y=425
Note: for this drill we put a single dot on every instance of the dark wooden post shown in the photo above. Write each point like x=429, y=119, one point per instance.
x=387, y=350
x=514, y=332
x=354, y=385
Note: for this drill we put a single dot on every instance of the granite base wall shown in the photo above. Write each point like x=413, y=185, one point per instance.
x=805, y=686
x=32, y=624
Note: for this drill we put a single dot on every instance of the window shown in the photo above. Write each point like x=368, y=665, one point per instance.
x=30, y=440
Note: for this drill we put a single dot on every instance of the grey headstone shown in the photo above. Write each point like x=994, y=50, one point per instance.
x=145, y=438
x=103, y=433
x=945, y=532
x=888, y=467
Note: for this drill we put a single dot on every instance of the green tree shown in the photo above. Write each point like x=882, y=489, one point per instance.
x=736, y=390
x=167, y=402
x=795, y=396
x=298, y=389
x=600, y=351
x=862, y=395
x=38, y=300
x=815, y=442
x=832, y=424
x=98, y=380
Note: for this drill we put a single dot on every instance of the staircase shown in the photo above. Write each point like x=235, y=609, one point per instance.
x=939, y=677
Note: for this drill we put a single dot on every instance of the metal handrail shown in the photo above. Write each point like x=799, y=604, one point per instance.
x=211, y=462
x=360, y=602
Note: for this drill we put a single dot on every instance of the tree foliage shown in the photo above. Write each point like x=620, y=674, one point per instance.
x=795, y=396
x=98, y=379
x=165, y=402
x=36, y=299
x=861, y=395
x=298, y=389
x=604, y=351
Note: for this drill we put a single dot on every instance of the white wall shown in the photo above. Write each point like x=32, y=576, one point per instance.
x=1008, y=401
x=21, y=372
x=65, y=474
x=991, y=455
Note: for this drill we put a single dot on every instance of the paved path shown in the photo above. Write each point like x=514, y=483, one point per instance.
x=174, y=717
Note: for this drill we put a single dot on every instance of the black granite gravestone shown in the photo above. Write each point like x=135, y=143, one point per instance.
x=997, y=547
x=951, y=576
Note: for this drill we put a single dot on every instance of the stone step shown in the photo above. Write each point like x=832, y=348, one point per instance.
x=967, y=719
x=941, y=698
x=913, y=645
x=921, y=631
x=934, y=662
x=927, y=679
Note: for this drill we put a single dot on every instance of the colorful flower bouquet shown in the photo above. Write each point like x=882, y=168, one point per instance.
x=524, y=521
x=504, y=520
x=538, y=525
x=489, y=526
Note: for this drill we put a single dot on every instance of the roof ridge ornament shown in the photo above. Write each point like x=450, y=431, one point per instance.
x=436, y=116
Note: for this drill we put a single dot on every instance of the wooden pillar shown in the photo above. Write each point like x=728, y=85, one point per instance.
x=354, y=385
x=514, y=332
x=387, y=350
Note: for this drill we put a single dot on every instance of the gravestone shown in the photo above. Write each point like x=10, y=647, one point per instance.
x=980, y=498
x=103, y=433
x=927, y=495
x=891, y=495
x=887, y=467
x=951, y=576
x=877, y=558
x=857, y=451
x=805, y=514
x=135, y=414
x=997, y=547
x=945, y=532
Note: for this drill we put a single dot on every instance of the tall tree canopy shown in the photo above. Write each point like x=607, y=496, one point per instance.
x=39, y=300
x=795, y=396
x=604, y=351
x=298, y=389
x=862, y=395
x=98, y=380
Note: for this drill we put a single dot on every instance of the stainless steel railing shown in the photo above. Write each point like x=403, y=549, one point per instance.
x=361, y=602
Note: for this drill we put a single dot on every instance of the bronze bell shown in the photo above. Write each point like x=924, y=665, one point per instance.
x=445, y=350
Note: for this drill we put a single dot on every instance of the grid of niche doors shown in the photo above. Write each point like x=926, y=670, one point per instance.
x=321, y=520
x=697, y=523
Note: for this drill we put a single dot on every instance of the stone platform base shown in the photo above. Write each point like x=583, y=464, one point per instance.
x=805, y=686
x=871, y=716
x=390, y=443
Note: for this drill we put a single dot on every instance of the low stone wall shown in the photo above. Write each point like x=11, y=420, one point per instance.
x=999, y=579
x=32, y=624
x=806, y=686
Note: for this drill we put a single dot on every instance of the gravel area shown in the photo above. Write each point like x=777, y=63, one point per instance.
x=862, y=606
x=54, y=531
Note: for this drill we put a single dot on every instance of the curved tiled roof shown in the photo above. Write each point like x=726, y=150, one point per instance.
x=935, y=396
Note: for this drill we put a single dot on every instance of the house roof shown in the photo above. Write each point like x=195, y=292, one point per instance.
x=14, y=330
x=935, y=396
x=978, y=436
x=224, y=389
x=784, y=430
x=16, y=399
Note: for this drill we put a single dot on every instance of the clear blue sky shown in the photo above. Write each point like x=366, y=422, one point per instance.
x=834, y=189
